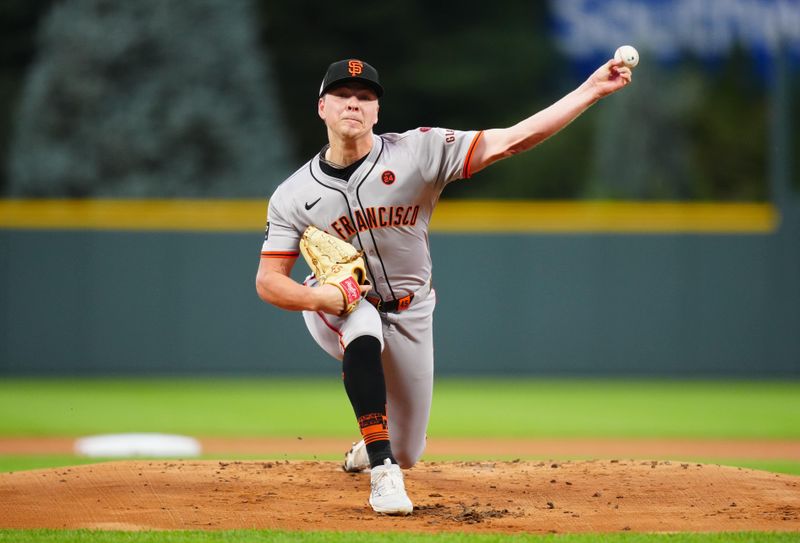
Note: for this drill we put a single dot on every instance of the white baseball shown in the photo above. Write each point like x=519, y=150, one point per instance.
x=628, y=55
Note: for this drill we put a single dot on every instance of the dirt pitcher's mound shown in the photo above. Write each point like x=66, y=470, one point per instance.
x=590, y=496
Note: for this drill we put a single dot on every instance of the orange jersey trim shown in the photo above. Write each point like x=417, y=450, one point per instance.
x=466, y=174
x=279, y=254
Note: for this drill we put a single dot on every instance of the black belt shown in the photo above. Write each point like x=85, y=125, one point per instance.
x=401, y=304
x=391, y=306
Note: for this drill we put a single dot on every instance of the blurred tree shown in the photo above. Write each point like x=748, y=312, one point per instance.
x=681, y=134
x=148, y=99
x=794, y=131
x=18, y=22
x=191, y=98
x=731, y=132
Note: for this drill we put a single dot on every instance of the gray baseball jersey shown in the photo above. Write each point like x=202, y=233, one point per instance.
x=384, y=209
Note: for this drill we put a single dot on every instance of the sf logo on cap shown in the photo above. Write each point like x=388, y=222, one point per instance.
x=355, y=67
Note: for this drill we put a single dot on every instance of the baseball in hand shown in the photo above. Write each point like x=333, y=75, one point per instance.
x=628, y=55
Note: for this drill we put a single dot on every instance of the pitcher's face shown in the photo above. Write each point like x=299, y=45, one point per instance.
x=349, y=111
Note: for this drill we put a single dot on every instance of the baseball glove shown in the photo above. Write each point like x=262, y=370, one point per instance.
x=335, y=262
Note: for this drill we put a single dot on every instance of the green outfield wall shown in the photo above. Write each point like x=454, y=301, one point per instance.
x=86, y=301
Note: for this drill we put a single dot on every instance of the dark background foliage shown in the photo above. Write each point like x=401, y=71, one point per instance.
x=218, y=99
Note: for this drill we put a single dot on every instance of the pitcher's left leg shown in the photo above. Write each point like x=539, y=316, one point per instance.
x=408, y=371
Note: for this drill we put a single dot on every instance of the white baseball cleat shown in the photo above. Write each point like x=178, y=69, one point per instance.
x=356, y=459
x=388, y=493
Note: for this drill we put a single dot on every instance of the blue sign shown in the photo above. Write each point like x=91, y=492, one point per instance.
x=668, y=30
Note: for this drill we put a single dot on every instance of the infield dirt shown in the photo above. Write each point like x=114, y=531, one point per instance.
x=533, y=497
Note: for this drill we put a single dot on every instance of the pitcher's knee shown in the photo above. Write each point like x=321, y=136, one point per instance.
x=405, y=461
x=405, y=458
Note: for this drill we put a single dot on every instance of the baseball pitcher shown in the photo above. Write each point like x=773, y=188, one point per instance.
x=359, y=212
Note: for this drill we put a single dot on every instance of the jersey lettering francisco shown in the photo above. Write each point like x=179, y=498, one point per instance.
x=384, y=209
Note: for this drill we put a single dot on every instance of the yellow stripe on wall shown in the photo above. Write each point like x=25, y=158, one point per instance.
x=450, y=216
x=605, y=217
x=170, y=215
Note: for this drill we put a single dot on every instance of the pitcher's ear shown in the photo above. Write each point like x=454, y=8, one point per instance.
x=321, y=108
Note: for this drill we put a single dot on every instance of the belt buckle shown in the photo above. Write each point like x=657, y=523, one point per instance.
x=404, y=302
x=393, y=306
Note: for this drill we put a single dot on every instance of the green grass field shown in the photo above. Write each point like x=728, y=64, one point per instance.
x=461, y=408
x=539, y=408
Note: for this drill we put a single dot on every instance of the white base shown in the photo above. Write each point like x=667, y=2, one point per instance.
x=125, y=445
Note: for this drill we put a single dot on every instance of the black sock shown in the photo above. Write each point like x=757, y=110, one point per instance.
x=362, y=372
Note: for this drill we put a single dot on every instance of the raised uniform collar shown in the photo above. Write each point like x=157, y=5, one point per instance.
x=364, y=165
x=332, y=170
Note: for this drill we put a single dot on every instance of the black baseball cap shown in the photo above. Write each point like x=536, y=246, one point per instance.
x=345, y=71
